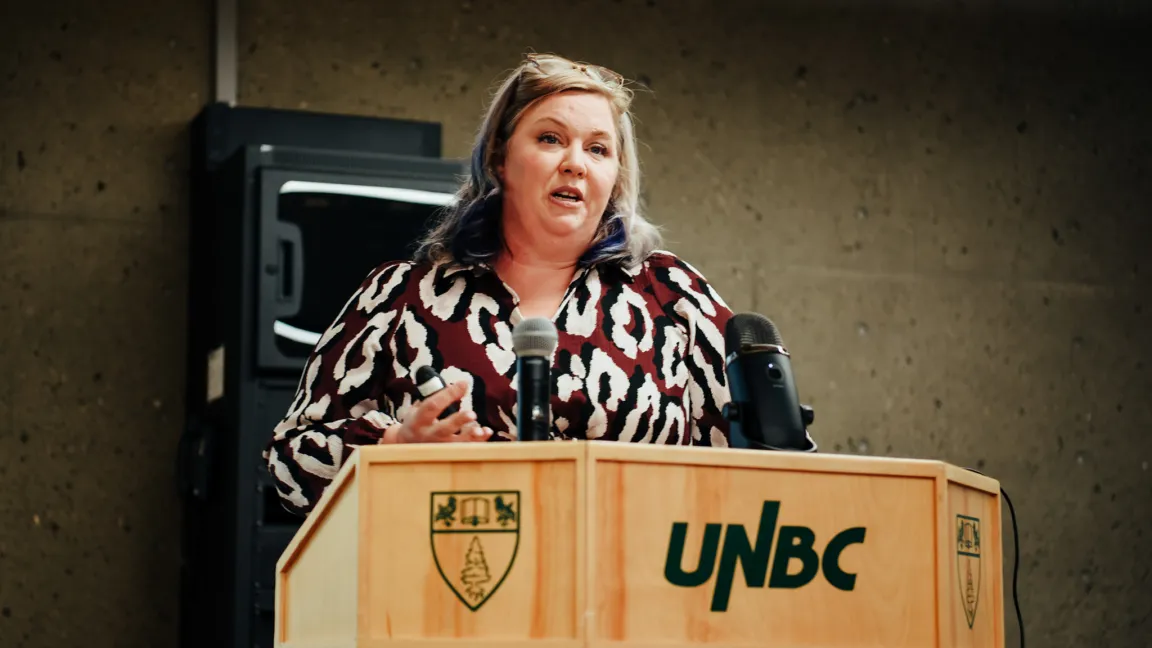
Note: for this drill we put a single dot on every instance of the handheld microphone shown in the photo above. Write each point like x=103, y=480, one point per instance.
x=428, y=382
x=765, y=410
x=533, y=340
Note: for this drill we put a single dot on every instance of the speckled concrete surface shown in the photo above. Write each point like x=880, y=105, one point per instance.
x=943, y=209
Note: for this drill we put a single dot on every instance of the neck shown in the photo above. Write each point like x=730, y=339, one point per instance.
x=518, y=264
x=539, y=276
x=526, y=254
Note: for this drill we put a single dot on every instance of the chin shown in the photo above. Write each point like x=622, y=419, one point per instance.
x=573, y=218
x=567, y=233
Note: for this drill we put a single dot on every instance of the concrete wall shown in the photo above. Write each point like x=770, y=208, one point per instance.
x=943, y=208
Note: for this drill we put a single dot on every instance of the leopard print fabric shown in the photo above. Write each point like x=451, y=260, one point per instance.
x=640, y=359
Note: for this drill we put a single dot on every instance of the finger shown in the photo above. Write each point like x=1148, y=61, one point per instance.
x=472, y=433
x=444, y=430
x=432, y=407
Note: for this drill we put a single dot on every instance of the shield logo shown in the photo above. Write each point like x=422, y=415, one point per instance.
x=474, y=535
x=968, y=564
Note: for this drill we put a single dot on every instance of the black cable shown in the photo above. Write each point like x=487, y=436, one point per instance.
x=1015, y=563
x=1015, y=558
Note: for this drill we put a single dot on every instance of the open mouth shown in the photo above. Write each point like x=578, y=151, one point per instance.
x=568, y=195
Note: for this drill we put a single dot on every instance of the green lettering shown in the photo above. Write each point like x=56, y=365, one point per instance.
x=831, y=563
x=795, y=542
x=673, y=568
x=754, y=561
x=754, y=554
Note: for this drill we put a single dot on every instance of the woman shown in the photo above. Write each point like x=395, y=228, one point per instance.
x=547, y=225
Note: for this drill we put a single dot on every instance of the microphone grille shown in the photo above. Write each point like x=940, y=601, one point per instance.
x=534, y=336
x=744, y=329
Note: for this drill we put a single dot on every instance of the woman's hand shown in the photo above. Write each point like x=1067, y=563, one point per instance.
x=424, y=424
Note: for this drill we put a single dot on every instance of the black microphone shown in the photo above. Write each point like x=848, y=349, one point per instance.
x=533, y=340
x=765, y=410
x=428, y=382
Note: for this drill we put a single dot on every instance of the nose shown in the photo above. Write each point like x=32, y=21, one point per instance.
x=574, y=163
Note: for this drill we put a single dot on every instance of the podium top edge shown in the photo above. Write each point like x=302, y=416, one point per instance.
x=456, y=452
x=608, y=451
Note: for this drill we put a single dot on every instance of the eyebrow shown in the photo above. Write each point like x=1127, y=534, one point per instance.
x=595, y=133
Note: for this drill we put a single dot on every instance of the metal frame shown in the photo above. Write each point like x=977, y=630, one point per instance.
x=226, y=64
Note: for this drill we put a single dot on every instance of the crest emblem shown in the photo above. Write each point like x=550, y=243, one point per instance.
x=968, y=564
x=474, y=535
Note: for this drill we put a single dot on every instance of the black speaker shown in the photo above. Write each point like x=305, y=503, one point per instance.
x=290, y=212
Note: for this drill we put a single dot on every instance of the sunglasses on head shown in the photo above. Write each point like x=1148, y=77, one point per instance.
x=598, y=72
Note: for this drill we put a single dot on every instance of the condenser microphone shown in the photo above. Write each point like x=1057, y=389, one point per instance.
x=428, y=382
x=533, y=340
x=765, y=411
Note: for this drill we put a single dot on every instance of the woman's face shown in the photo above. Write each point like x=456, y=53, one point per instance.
x=559, y=169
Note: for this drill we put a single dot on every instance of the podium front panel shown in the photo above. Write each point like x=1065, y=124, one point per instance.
x=687, y=553
x=483, y=545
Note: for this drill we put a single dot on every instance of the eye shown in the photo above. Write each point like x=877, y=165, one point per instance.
x=548, y=138
x=600, y=149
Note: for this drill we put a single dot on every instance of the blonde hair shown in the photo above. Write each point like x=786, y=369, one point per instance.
x=469, y=228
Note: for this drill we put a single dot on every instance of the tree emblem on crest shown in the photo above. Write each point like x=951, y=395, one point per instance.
x=475, y=572
x=474, y=539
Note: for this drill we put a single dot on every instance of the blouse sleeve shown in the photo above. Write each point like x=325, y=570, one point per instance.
x=339, y=403
x=692, y=301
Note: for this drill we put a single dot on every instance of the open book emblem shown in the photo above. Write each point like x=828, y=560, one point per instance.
x=475, y=535
x=968, y=564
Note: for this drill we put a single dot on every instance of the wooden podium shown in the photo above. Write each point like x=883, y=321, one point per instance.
x=571, y=544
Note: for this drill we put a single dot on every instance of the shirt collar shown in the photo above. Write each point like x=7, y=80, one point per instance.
x=626, y=273
x=452, y=268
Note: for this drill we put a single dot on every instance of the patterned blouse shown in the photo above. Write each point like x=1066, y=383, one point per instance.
x=640, y=358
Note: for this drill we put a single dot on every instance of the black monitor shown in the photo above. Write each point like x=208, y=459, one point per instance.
x=326, y=220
